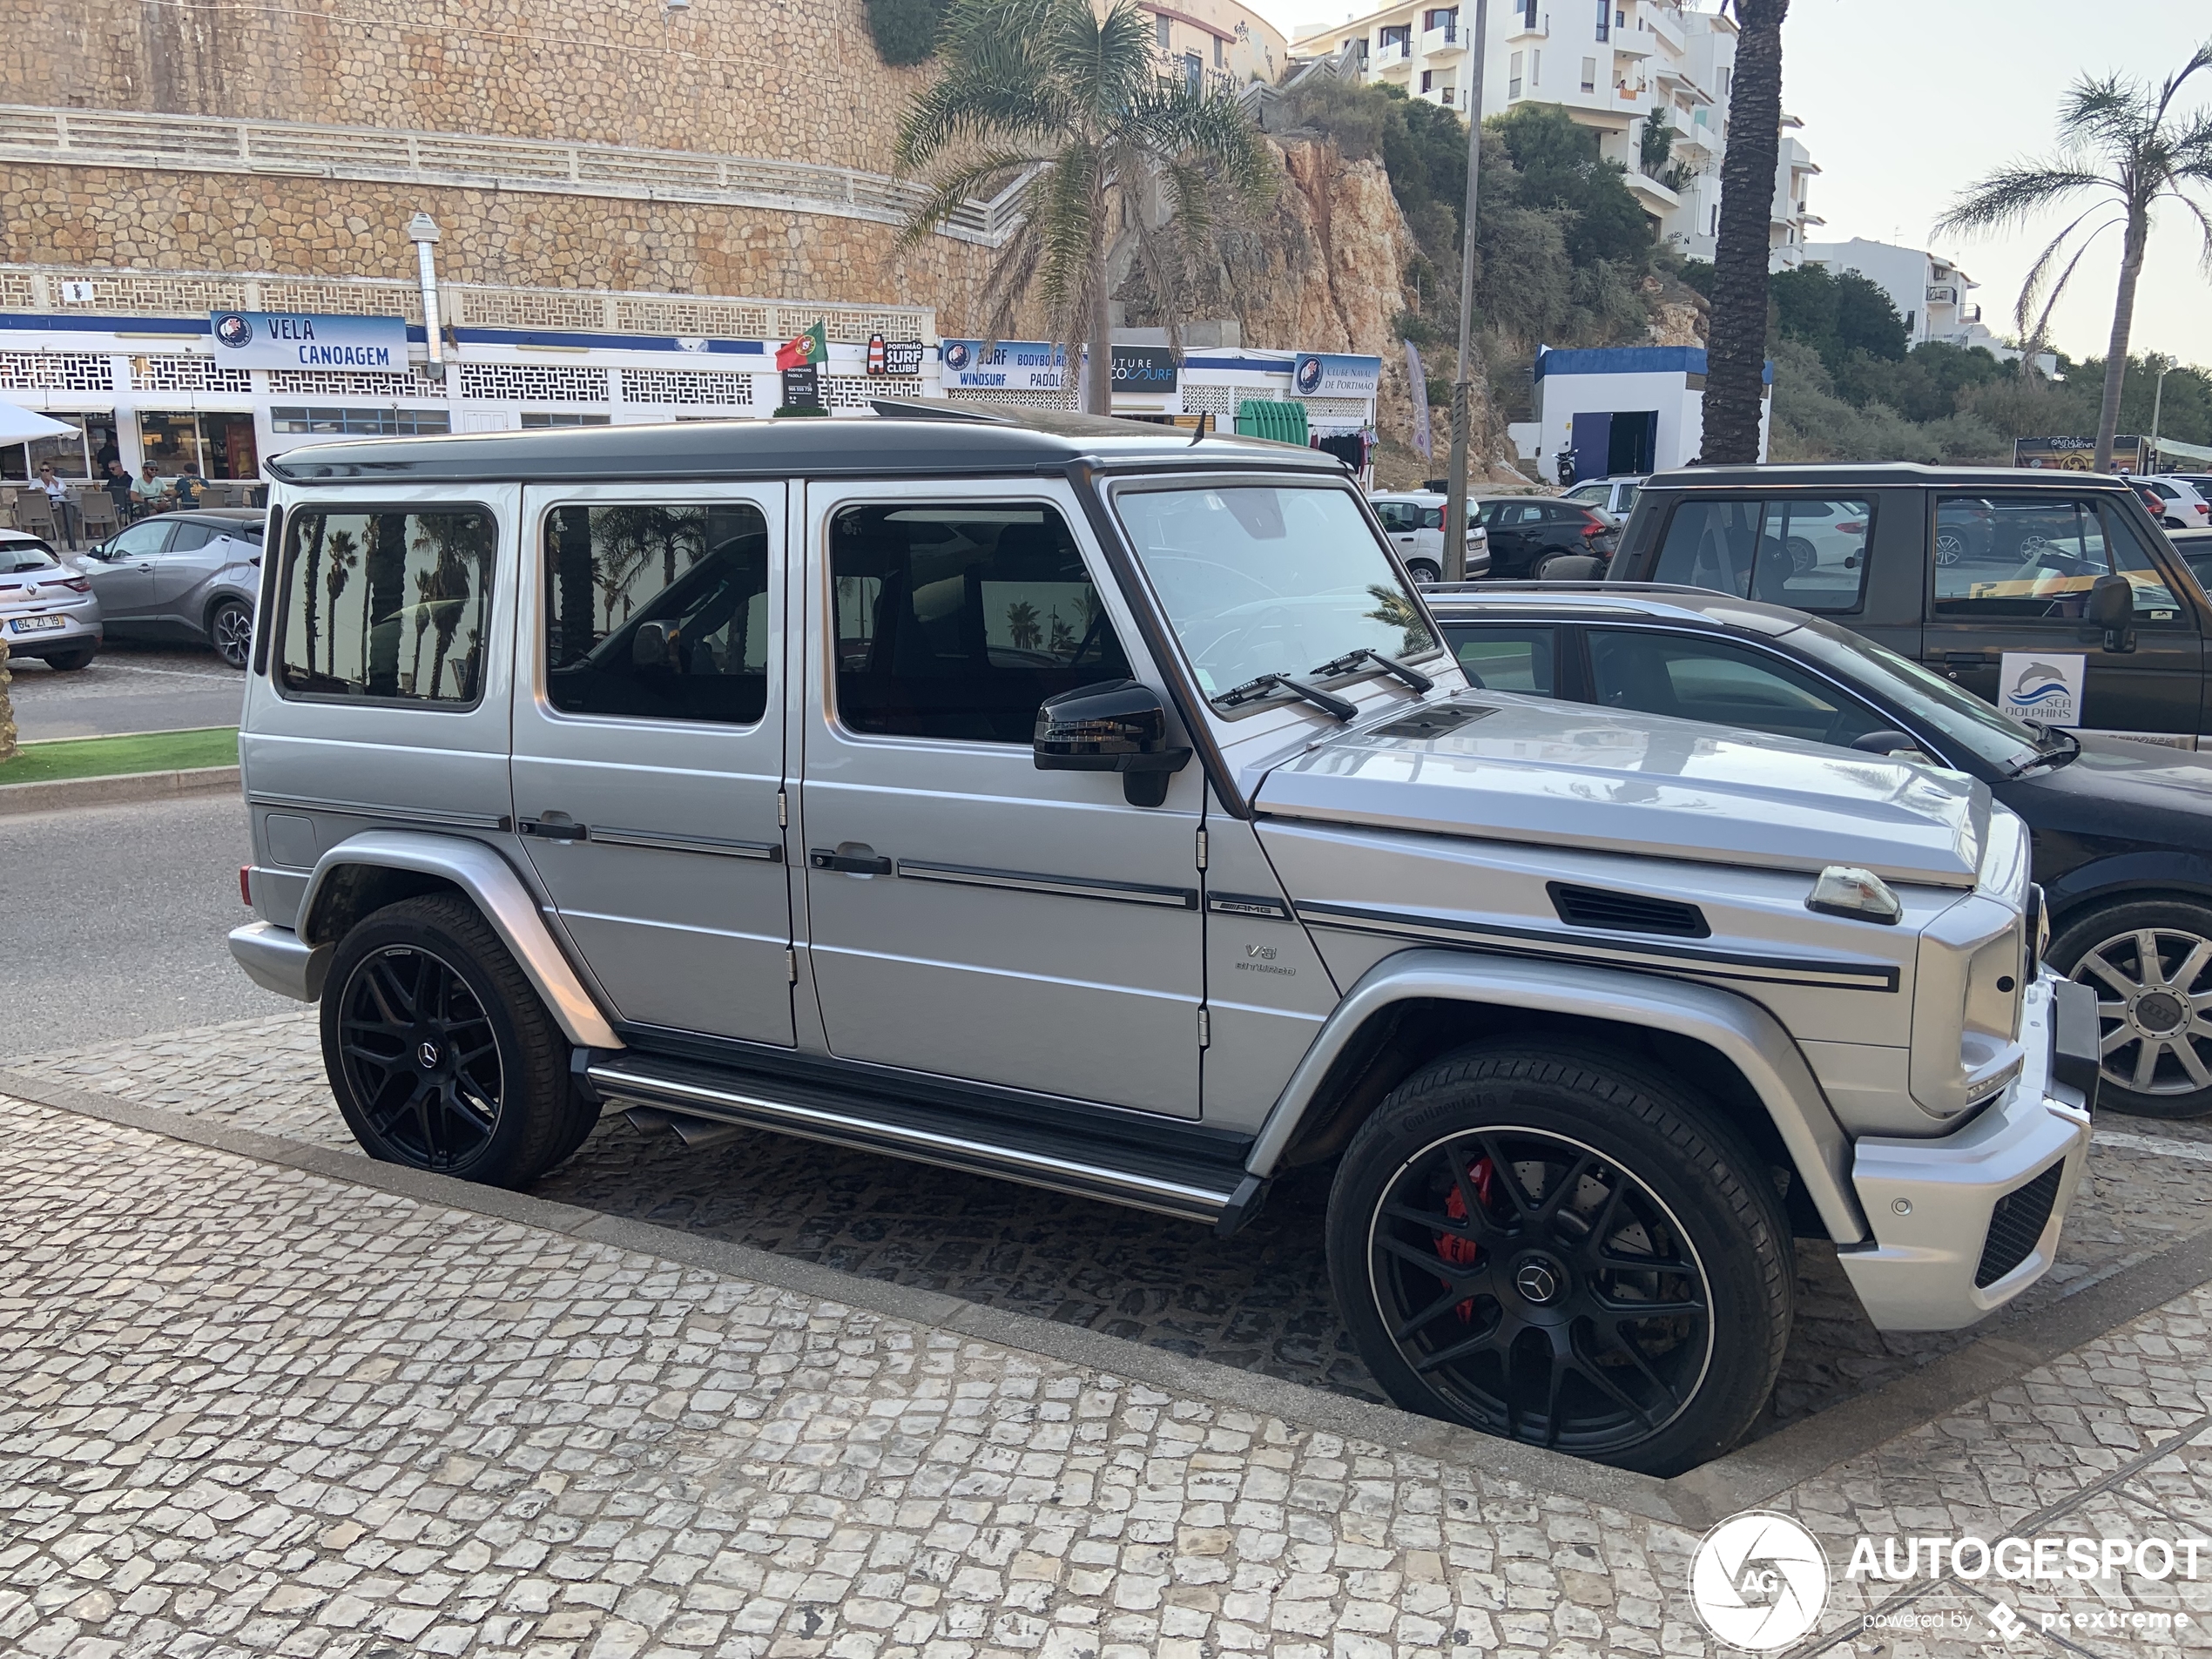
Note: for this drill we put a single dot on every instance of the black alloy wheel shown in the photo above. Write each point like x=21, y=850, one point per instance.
x=1542, y=1289
x=421, y=1056
x=230, y=629
x=1562, y=1245
x=441, y=1054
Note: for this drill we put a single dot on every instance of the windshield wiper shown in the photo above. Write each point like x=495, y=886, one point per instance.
x=1390, y=665
x=1260, y=684
x=2055, y=756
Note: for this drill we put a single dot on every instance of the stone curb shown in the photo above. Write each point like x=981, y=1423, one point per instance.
x=62, y=792
x=1743, y=1479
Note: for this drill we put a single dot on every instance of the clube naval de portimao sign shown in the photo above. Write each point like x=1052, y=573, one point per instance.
x=305, y=340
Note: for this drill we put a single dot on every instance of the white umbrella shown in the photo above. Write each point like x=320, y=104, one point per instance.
x=19, y=425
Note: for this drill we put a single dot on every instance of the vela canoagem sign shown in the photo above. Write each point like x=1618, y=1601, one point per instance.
x=308, y=340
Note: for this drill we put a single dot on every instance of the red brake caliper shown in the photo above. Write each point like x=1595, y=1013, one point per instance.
x=1464, y=1252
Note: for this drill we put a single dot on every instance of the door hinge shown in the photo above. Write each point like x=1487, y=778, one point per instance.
x=790, y=967
x=1205, y=1029
x=1202, y=849
x=783, y=810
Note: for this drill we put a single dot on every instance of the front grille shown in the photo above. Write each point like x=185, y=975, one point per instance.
x=1627, y=913
x=2015, y=1225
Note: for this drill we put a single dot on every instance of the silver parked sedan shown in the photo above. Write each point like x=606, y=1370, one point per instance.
x=183, y=575
x=47, y=608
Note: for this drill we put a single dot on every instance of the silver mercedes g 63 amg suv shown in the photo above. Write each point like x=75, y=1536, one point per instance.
x=1097, y=808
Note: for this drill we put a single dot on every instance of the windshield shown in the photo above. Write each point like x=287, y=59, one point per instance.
x=1998, y=738
x=17, y=557
x=1258, y=580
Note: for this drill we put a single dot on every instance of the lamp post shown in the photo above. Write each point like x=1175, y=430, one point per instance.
x=2161, y=366
x=422, y=231
x=1455, y=489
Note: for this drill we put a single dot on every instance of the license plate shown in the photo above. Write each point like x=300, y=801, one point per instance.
x=35, y=624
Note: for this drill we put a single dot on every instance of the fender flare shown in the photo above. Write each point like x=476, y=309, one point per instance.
x=497, y=891
x=2125, y=875
x=1744, y=1033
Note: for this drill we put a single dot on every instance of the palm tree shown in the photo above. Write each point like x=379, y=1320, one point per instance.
x=344, y=556
x=2122, y=143
x=1048, y=89
x=1736, y=338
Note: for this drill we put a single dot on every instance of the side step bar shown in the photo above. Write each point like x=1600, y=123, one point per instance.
x=689, y=1098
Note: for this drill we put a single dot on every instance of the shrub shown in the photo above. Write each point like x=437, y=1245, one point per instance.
x=905, y=30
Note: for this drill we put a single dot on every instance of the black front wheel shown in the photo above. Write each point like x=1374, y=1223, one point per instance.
x=441, y=1053
x=68, y=662
x=1563, y=1250
x=230, y=629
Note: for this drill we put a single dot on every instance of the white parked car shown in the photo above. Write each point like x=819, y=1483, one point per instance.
x=1414, y=519
x=1609, y=498
x=2183, y=504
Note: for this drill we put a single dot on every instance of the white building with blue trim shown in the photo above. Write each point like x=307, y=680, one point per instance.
x=1623, y=410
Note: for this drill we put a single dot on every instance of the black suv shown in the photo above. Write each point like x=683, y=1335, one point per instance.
x=2052, y=595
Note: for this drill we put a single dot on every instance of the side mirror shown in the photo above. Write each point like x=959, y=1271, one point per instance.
x=1887, y=741
x=649, y=646
x=1116, y=727
x=2112, y=608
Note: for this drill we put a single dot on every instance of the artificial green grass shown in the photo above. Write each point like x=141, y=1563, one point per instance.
x=42, y=762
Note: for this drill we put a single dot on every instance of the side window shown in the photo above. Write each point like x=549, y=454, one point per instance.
x=1507, y=660
x=956, y=621
x=190, y=537
x=1396, y=515
x=1801, y=551
x=387, y=604
x=141, y=541
x=2037, y=558
x=1432, y=518
x=1723, y=683
x=658, y=612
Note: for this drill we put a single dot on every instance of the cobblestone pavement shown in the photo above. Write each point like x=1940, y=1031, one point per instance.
x=247, y=1409
x=1258, y=1301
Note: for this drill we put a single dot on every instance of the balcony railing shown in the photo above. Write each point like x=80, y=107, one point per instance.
x=210, y=143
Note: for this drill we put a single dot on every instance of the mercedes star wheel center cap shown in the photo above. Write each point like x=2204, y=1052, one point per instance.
x=1538, y=1280
x=427, y=1054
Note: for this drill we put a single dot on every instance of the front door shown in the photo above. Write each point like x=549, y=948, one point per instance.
x=966, y=913
x=2011, y=587
x=123, y=577
x=649, y=747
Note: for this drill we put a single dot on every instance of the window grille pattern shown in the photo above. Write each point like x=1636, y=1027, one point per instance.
x=151, y=293
x=1334, y=409
x=56, y=372
x=858, y=391
x=15, y=293
x=1213, y=400
x=344, y=299
x=685, y=388
x=313, y=382
x=528, y=308
x=534, y=383
x=1064, y=400
x=704, y=319
x=179, y=374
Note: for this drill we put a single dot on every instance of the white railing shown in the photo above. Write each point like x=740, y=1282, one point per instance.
x=210, y=143
x=61, y=289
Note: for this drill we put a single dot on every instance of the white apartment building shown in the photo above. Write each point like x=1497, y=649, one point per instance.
x=1610, y=66
x=1930, y=291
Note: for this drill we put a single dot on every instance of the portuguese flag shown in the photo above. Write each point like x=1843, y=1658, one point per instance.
x=812, y=346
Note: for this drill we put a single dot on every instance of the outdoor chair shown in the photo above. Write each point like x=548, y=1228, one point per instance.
x=97, y=516
x=34, y=516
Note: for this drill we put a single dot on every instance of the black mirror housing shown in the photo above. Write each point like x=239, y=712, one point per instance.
x=1887, y=741
x=648, y=645
x=2111, y=609
x=1119, y=726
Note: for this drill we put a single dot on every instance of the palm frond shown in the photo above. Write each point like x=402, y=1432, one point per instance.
x=983, y=176
x=2056, y=289
x=2016, y=193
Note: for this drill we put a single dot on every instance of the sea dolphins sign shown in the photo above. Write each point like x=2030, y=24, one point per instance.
x=2042, y=686
x=307, y=339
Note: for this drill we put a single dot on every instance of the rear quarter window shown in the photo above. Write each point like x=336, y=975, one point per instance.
x=1803, y=551
x=384, y=604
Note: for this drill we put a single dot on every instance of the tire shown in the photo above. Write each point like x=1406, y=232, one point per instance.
x=1424, y=572
x=1526, y=1357
x=230, y=629
x=442, y=1055
x=2158, y=1058
x=68, y=662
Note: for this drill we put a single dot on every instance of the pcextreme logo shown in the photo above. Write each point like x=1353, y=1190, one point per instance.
x=1759, y=1581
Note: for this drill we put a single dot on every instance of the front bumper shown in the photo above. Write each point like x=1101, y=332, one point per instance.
x=276, y=959
x=1933, y=1206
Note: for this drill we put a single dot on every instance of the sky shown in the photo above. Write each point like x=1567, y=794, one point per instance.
x=1904, y=106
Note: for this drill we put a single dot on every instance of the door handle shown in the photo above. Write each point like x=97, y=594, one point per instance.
x=854, y=859
x=1965, y=658
x=562, y=831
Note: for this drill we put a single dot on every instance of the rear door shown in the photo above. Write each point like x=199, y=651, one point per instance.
x=2008, y=590
x=649, y=746
x=195, y=552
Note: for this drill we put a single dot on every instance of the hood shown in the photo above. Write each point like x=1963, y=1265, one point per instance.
x=1524, y=769
x=2120, y=789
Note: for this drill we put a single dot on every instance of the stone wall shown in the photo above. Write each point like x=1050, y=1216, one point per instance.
x=238, y=222
x=763, y=77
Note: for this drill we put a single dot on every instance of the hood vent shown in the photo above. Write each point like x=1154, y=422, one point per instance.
x=1627, y=912
x=1441, y=721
